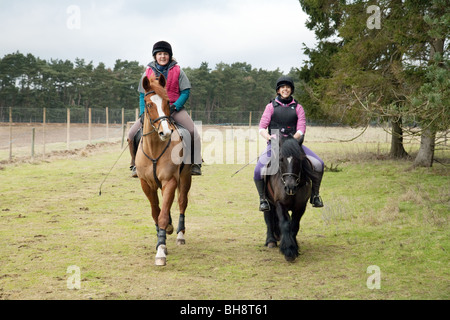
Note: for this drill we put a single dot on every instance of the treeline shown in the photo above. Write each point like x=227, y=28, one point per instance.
x=29, y=82
x=385, y=60
x=230, y=89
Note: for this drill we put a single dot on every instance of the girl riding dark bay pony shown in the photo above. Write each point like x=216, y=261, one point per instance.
x=286, y=116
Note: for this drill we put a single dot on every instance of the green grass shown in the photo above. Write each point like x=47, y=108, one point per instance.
x=377, y=212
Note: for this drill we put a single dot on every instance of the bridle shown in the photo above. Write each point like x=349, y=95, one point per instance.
x=297, y=178
x=153, y=121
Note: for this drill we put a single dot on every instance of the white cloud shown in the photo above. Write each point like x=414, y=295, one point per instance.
x=266, y=34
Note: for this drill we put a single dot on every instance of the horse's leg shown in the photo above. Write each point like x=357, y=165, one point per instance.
x=185, y=186
x=271, y=242
x=161, y=248
x=169, y=229
x=297, y=214
x=152, y=196
x=168, y=192
x=288, y=244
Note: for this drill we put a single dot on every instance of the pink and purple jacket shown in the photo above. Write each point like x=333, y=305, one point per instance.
x=268, y=112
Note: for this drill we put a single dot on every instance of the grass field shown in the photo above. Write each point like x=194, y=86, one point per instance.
x=377, y=212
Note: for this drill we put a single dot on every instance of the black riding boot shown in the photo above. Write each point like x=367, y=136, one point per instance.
x=196, y=169
x=263, y=203
x=133, y=157
x=316, y=179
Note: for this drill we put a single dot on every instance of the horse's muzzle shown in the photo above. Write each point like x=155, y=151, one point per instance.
x=164, y=135
x=290, y=191
x=291, y=183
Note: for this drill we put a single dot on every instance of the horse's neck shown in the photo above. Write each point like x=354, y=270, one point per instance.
x=152, y=144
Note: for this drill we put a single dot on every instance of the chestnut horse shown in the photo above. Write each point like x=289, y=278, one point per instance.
x=159, y=164
x=287, y=190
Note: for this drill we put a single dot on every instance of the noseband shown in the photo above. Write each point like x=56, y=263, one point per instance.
x=153, y=121
x=296, y=176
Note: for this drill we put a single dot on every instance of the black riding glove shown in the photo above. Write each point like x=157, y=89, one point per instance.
x=172, y=108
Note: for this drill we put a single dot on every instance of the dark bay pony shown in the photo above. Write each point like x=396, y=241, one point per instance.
x=287, y=190
x=159, y=164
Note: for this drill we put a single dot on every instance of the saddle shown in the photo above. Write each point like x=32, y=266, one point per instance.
x=185, y=140
x=183, y=133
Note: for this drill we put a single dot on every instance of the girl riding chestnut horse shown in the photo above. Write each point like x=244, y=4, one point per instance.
x=178, y=89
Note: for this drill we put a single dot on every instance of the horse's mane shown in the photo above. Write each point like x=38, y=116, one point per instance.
x=291, y=148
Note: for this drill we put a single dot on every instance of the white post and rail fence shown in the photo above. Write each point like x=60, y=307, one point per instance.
x=110, y=131
x=64, y=129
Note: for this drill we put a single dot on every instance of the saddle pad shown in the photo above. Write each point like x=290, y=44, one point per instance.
x=185, y=138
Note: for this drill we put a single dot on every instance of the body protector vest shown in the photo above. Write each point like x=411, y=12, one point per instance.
x=172, y=85
x=284, y=118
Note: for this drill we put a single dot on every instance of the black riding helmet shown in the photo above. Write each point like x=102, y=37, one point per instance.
x=285, y=80
x=162, y=46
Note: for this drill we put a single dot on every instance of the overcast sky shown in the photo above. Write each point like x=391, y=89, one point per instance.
x=264, y=33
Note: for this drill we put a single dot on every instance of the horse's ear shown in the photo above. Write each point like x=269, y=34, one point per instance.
x=146, y=84
x=162, y=81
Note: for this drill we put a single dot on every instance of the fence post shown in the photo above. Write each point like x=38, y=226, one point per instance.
x=250, y=120
x=33, y=136
x=68, y=128
x=89, y=125
x=10, y=133
x=107, y=125
x=123, y=126
x=43, y=128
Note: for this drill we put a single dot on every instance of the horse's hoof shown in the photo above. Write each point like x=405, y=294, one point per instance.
x=160, y=261
x=289, y=259
x=180, y=239
x=272, y=245
x=161, y=252
x=169, y=229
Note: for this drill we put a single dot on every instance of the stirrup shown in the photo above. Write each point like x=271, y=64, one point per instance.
x=196, y=170
x=264, y=205
x=316, y=201
x=133, y=172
